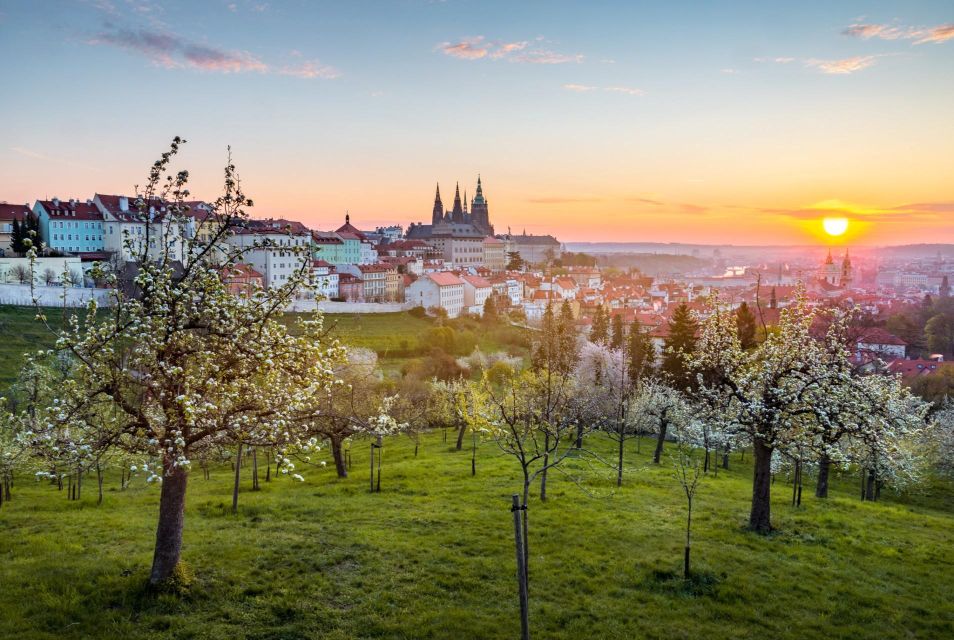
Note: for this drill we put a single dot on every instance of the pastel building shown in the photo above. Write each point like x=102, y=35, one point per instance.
x=70, y=226
x=442, y=290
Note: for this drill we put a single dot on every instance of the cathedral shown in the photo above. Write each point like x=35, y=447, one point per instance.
x=478, y=216
x=832, y=274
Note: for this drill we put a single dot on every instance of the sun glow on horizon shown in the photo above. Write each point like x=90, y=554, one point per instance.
x=835, y=226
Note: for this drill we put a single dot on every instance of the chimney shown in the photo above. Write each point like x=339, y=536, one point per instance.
x=123, y=203
x=55, y=201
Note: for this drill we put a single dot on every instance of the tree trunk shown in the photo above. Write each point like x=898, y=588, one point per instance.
x=171, y=518
x=546, y=461
x=99, y=481
x=238, y=474
x=336, y=453
x=824, y=467
x=619, y=469
x=685, y=566
x=870, y=490
x=760, y=518
x=460, y=437
x=725, y=459
x=579, y=435
x=268, y=465
x=255, y=485
x=660, y=439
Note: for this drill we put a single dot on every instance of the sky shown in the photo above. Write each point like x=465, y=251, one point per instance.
x=702, y=122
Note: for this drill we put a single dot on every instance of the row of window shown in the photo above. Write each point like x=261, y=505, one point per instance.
x=69, y=236
x=76, y=225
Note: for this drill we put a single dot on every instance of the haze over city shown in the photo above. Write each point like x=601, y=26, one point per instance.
x=603, y=121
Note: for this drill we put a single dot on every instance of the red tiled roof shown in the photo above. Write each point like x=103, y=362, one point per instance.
x=477, y=282
x=13, y=211
x=276, y=225
x=444, y=279
x=919, y=367
x=241, y=270
x=75, y=210
x=877, y=335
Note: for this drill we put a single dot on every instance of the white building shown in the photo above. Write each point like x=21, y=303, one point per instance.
x=127, y=230
x=875, y=341
x=275, y=248
x=444, y=290
x=326, y=279
x=476, y=292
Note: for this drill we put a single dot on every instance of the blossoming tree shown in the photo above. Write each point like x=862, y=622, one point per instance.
x=180, y=363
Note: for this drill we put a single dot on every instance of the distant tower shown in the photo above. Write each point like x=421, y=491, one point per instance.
x=846, y=271
x=465, y=206
x=479, y=212
x=945, y=289
x=438, y=215
x=457, y=214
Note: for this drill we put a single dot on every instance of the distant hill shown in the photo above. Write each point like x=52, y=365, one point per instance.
x=653, y=264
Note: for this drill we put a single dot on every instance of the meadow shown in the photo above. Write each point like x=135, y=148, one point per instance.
x=395, y=337
x=432, y=556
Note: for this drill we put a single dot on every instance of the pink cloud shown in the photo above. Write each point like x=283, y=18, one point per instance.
x=843, y=66
x=478, y=47
x=920, y=35
x=170, y=51
x=311, y=69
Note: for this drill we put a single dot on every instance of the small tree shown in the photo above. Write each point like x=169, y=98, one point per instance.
x=689, y=474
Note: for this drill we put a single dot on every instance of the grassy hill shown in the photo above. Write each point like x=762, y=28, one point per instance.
x=394, y=336
x=431, y=556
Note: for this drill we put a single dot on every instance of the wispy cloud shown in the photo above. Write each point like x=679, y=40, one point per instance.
x=779, y=60
x=661, y=206
x=478, y=47
x=309, y=70
x=566, y=200
x=919, y=35
x=171, y=51
x=585, y=88
x=902, y=213
x=843, y=66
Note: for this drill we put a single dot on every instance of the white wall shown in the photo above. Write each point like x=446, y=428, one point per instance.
x=19, y=294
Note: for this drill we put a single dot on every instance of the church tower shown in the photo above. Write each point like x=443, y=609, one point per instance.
x=457, y=214
x=846, y=271
x=438, y=215
x=478, y=210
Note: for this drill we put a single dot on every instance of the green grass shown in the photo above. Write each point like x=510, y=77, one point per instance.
x=431, y=556
x=20, y=333
x=394, y=336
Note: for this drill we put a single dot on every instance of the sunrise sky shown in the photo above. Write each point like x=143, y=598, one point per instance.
x=621, y=121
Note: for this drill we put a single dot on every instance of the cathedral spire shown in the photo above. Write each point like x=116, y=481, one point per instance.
x=457, y=214
x=438, y=213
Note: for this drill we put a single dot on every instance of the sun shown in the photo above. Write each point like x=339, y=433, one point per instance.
x=835, y=226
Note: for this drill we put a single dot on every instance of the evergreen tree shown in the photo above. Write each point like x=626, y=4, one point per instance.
x=745, y=323
x=16, y=238
x=640, y=354
x=490, y=311
x=567, y=334
x=680, y=343
x=514, y=261
x=617, y=339
x=773, y=301
x=599, y=332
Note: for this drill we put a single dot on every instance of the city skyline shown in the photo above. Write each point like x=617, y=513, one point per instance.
x=746, y=124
